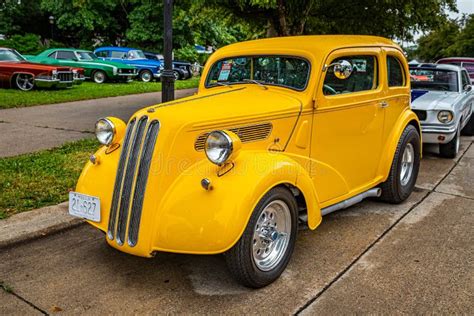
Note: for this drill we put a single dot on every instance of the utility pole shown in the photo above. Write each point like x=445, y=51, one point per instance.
x=167, y=76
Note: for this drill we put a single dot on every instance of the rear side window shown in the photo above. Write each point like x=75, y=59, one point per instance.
x=116, y=54
x=395, y=72
x=363, y=78
x=101, y=53
x=65, y=55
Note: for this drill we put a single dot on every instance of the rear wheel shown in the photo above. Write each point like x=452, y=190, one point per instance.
x=99, y=76
x=404, y=170
x=265, y=248
x=469, y=128
x=145, y=75
x=24, y=82
x=451, y=149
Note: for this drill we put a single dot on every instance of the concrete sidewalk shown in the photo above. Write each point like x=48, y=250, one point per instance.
x=413, y=258
x=25, y=130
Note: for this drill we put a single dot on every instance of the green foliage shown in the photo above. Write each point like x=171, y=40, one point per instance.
x=26, y=44
x=187, y=53
x=453, y=38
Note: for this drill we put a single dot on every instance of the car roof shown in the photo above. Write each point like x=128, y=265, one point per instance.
x=314, y=44
x=460, y=59
x=436, y=66
x=116, y=48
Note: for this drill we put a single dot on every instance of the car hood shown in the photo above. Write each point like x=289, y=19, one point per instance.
x=36, y=66
x=433, y=100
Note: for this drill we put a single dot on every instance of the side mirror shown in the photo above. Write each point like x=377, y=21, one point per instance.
x=342, y=69
x=467, y=88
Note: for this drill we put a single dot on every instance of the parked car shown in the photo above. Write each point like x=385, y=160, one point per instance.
x=281, y=130
x=95, y=69
x=147, y=69
x=17, y=72
x=465, y=62
x=181, y=70
x=444, y=103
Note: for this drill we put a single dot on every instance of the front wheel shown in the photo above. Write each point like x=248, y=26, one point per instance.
x=405, y=167
x=176, y=75
x=266, y=246
x=99, y=76
x=24, y=82
x=451, y=149
x=145, y=75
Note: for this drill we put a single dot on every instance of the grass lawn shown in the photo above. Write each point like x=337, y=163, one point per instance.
x=12, y=98
x=35, y=180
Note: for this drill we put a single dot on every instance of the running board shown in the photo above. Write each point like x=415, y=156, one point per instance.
x=376, y=192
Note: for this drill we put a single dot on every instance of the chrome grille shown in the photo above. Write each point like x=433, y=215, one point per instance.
x=249, y=133
x=131, y=178
x=65, y=76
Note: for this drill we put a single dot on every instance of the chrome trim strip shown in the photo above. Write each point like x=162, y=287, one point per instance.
x=119, y=180
x=141, y=181
x=128, y=179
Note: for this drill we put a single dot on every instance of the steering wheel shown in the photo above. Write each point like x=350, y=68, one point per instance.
x=329, y=90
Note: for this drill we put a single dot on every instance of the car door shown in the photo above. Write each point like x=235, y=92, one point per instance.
x=467, y=102
x=396, y=86
x=348, y=123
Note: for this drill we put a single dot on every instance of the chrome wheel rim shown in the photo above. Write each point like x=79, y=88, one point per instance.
x=24, y=82
x=271, y=235
x=99, y=77
x=176, y=75
x=146, y=76
x=408, y=160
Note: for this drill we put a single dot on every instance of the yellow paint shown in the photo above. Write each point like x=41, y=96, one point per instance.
x=328, y=147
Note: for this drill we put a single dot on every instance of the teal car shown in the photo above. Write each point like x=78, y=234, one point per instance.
x=95, y=69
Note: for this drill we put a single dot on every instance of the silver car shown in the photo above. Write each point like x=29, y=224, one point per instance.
x=443, y=99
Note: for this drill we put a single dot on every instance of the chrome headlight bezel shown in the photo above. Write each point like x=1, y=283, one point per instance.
x=218, y=147
x=445, y=116
x=105, y=131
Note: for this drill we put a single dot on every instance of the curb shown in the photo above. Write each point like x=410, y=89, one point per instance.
x=37, y=223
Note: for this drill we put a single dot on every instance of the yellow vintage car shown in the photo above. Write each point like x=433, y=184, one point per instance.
x=281, y=131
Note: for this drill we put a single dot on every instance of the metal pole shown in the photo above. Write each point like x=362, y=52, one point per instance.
x=167, y=76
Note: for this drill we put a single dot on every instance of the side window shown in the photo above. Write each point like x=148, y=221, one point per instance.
x=52, y=55
x=116, y=54
x=102, y=54
x=395, y=72
x=66, y=55
x=364, y=76
x=465, y=79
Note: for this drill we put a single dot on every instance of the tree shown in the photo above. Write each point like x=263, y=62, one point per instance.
x=464, y=44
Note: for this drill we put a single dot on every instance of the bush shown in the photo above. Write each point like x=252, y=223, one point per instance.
x=29, y=44
x=187, y=53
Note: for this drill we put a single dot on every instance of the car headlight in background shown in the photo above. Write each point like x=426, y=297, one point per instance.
x=445, y=116
x=75, y=74
x=221, y=146
x=54, y=74
x=109, y=130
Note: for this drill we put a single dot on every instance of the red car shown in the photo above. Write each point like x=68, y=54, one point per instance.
x=465, y=62
x=17, y=72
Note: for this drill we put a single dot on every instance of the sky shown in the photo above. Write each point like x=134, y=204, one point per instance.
x=464, y=6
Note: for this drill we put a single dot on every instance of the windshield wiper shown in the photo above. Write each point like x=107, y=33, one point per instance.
x=224, y=84
x=256, y=82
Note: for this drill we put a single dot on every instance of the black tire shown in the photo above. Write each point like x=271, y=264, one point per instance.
x=98, y=76
x=240, y=259
x=451, y=149
x=145, y=75
x=24, y=82
x=177, y=75
x=468, y=130
x=396, y=190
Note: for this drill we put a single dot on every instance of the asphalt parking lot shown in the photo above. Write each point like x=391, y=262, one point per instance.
x=417, y=257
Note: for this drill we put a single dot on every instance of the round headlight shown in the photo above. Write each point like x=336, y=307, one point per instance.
x=218, y=147
x=445, y=116
x=104, y=131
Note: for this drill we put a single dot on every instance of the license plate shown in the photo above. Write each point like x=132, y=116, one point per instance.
x=84, y=206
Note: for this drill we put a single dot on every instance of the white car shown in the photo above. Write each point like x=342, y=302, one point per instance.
x=443, y=99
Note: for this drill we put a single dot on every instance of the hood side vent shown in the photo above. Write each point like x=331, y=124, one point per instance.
x=247, y=134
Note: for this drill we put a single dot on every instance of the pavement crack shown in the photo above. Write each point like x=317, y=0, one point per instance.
x=378, y=239
x=64, y=129
x=9, y=290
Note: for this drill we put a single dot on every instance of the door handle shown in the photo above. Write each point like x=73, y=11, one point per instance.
x=383, y=104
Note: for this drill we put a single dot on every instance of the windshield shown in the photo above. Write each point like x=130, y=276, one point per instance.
x=290, y=72
x=434, y=79
x=10, y=55
x=86, y=56
x=136, y=54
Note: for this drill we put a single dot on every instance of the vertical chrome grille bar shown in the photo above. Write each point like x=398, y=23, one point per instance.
x=130, y=170
x=140, y=185
x=119, y=180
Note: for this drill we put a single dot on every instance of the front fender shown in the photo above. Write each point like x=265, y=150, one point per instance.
x=192, y=220
x=406, y=118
